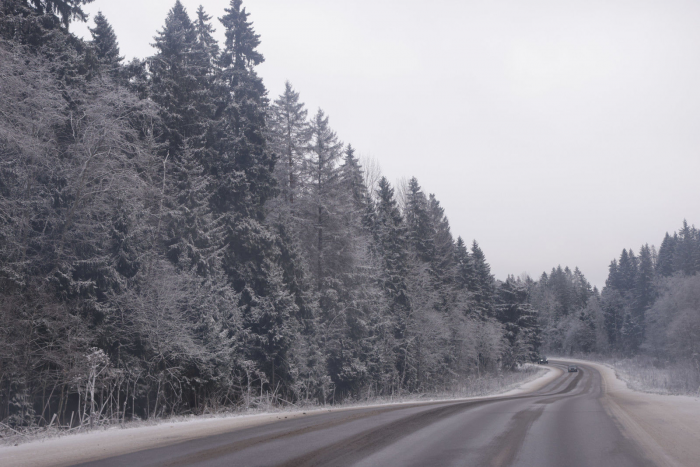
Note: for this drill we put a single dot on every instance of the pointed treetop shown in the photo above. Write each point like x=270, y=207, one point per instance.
x=205, y=34
x=241, y=39
x=105, y=41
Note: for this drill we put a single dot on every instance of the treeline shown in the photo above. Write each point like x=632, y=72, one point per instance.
x=650, y=305
x=173, y=242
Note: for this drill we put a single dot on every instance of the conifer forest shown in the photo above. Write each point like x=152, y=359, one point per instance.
x=174, y=240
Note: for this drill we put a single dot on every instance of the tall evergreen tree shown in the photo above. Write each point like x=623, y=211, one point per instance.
x=627, y=270
x=242, y=182
x=685, y=251
x=105, y=42
x=354, y=181
x=391, y=238
x=418, y=222
x=520, y=321
x=465, y=273
x=664, y=263
x=484, y=287
x=325, y=202
x=290, y=138
x=207, y=47
x=244, y=170
x=181, y=85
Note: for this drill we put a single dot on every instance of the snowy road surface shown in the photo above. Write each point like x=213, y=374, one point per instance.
x=573, y=419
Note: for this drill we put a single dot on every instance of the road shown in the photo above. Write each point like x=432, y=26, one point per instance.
x=565, y=423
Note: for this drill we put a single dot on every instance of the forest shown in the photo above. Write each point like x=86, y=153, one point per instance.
x=649, y=307
x=175, y=241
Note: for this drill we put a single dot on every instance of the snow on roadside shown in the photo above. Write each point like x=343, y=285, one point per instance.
x=667, y=427
x=113, y=441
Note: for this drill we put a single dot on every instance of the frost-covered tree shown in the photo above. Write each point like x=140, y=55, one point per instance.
x=290, y=136
x=105, y=42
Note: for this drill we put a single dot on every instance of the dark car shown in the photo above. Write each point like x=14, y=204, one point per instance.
x=543, y=360
x=573, y=369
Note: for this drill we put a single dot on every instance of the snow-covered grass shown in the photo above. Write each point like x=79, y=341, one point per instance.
x=485, y=385
x=113, y=441
x=646, y=374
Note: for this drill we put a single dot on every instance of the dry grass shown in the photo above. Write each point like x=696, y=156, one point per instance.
x=489, y=384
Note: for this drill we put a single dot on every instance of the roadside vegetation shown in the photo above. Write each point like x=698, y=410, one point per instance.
x=645, y=322
x=175, y=242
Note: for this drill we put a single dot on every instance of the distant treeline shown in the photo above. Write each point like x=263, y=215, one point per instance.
x=173, y=242
x=650, y=306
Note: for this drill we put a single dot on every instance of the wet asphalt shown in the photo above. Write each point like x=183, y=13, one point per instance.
x=562, y=424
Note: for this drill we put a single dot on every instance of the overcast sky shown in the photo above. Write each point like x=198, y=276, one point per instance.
x=553, y=132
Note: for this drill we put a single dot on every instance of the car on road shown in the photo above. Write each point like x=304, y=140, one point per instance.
x=543, y=360
x=573, y=368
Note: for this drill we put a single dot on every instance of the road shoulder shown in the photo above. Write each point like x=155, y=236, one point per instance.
x=96, y=445
x=668, y=427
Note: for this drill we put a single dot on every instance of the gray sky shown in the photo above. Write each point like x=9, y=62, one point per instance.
x=553, y=132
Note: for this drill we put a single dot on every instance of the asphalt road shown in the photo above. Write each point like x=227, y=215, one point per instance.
x=562, y=424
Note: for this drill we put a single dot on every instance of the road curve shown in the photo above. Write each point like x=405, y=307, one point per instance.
x=564, y=423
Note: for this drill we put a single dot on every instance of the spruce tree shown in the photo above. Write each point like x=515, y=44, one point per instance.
x=684, y=255
x=245, y=165
x=627, y=270
x=465, y=274
x=520, y=322
x=484, y=287
x=325, y=203
x=664, y=263
x=242, y=182
x=290, y=134
x=207, y=49
x=181, y=85
x=418, y=223
x=643, y=292
x=105, y=42
x=391, y=240
x=353, y=179
x=613, y=304
x=443, y=260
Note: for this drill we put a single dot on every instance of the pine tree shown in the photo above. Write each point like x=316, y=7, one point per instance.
x=207, y=47
x=105, y=42
x=325, y=202
x=465, y=274
x=354, y=182
x=644, y=287
x=418, y=222
x=245, y=166
x=181, y=85
x=391, y=238
x=175, y=77
x=520, y=321
x=242, y=182
x=684, y=254
x=664, y=263
x=291, y=134
x=643, y=295
x=627, y=270
x=484, y=287
x=443, y=260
